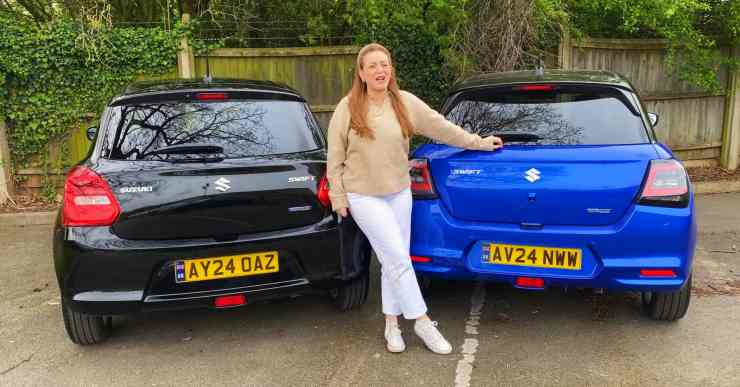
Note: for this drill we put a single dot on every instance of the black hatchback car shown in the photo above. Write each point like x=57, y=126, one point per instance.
x=201, y=194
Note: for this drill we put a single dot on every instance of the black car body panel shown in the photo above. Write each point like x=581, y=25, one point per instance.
x=180, y=201
x=172, y=210
x=100, y=273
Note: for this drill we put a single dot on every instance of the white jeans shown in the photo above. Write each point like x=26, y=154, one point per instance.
x=386, y=221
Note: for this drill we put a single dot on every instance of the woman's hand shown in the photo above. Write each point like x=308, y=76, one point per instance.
x=498, y=143
x=343, y=212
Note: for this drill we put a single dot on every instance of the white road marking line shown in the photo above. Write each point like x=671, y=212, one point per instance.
x=464, y=369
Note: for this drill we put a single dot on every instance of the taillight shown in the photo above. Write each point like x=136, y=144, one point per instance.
x=421, y=179
x=666, y=185
x=323, y=192
x=88, y=200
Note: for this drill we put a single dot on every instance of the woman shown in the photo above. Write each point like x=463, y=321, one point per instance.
x=368, y=174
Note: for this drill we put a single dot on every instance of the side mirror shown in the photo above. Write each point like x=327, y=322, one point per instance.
x=653, y=118
x=91, y=132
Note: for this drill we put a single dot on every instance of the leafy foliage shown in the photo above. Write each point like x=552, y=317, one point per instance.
x=695, y=29
x=506, y=36
x=122, y=11
x=285, y=23
x=51, y=74
x=418, y=36
x=56, y=64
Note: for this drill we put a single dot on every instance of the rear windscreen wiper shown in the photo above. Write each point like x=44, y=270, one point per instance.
x=518, y=137
x=188, y=149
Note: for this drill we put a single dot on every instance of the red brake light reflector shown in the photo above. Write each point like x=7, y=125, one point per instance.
x=88, y=200
x=211, y=96
x=421, y=179
x=415, y=258
x=658, y=273
x=323, y=192
x=229, y=301
x=535, y=88
x=530, y=282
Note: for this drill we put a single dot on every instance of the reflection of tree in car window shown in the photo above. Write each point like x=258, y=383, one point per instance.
x=556, y=118
x=241, y=128
x=488, y=119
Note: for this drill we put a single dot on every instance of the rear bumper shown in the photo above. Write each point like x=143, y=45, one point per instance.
x=124, y=302
x=100, y=273
x=647, y=237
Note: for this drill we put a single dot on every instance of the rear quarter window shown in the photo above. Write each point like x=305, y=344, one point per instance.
x=566, y=115
x=243, y=128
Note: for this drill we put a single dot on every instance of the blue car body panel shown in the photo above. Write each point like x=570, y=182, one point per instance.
x=473, y=185
x=484, y=197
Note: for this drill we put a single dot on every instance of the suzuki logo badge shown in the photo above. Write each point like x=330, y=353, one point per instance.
x=532, y=175
x=222, y=184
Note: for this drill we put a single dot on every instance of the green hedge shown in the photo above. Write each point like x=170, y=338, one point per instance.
x=418, y=34
x=51, y=75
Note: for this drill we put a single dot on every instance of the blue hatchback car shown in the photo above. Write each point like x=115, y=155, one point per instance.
x=582, y=195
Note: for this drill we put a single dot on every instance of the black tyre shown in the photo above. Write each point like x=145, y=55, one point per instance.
x=352, y=294
x=669, y=306
x=85, y=329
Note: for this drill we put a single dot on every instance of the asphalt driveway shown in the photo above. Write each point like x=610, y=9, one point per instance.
x=501, y=336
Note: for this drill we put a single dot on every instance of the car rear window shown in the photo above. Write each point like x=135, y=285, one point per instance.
x=564, y=115
x=243, y=128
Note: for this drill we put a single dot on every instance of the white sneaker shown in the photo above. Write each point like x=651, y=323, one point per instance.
x=427, y=331
x=393, y=338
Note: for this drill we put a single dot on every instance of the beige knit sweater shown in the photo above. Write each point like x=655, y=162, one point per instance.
x=380, y=166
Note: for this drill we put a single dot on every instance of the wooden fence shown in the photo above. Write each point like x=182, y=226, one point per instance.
x=70, y=149
x=323, y=75
x=693, y=122
x=697, y=125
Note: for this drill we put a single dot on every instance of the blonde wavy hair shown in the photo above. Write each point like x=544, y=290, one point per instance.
x=358, y=99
